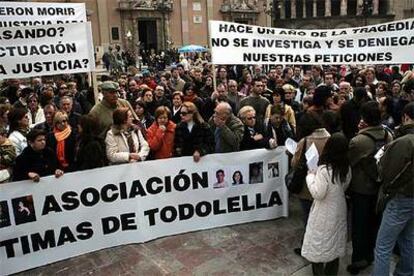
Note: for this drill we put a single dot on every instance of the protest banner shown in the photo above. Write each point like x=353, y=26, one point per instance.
x=386, y=43
x=20, y=14
x=46, y=50
x=81, y=212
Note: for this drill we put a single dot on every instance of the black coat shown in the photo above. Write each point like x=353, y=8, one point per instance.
x=70, y=149
x=176, y=118
x=284, y=131
x=248, y=143
x=200, y=138
x=43, y=163
x=91, y=154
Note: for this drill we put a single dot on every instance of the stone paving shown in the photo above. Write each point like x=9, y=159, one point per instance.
x=260, y=248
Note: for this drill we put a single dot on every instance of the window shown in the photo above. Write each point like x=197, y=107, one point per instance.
x=115, y=33
x=198, y=19
x=196, y=6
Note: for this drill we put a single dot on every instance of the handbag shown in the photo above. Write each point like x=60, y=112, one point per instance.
x=295, y=179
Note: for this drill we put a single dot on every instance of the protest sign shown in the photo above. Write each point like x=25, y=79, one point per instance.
x=18, y=14
x=46, y=50
x=81, y=212
x=386, y=43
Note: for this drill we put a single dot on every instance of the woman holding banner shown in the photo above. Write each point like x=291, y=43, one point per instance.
x=62, y=140
x=193, y=136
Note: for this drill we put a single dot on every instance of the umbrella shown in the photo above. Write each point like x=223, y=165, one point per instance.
x=192, y=48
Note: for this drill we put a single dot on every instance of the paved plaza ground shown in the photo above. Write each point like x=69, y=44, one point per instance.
x=260, y=248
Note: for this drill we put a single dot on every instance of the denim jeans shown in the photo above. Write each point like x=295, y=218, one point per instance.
x=397, y=226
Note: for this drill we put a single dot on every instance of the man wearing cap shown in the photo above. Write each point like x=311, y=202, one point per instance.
x=104, y=109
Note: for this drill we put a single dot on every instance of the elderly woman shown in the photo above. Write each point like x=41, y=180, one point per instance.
x=160, y=135
x=62, y=140
x=125, y=143
x=289, y=97
x=253, y=137
x=193, y=136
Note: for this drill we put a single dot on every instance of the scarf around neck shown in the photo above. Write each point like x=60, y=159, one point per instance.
x=60, y=146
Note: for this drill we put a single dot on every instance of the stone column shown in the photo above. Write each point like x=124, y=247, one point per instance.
x=315, y=14
x=359, y=7
x=390, y=7
x=344, y=4
x=293, y=9
x=304, y=9
x=375, y=7
x=185, y=28
x=103, y=23
x=282, y=10
x=269, y=16
x=327, y=7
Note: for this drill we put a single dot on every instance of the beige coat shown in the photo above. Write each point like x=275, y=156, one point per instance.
x=319, y=137
x=325, y=235
x=117, y=149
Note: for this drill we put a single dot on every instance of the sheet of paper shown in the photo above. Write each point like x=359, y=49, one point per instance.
x=311, y=152
x=291, y=145
x=313, y=163
x=379, y=154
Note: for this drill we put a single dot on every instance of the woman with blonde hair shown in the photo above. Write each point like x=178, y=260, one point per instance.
x=62, y=140
x=193, y=136
x=289, y=97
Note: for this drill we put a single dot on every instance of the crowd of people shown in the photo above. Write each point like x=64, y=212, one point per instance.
x=52, y=125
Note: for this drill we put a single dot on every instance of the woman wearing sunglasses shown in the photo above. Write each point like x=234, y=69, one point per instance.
x=193, y=136
x=62, y=140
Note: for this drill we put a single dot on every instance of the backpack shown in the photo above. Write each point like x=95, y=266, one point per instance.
x=369, y=163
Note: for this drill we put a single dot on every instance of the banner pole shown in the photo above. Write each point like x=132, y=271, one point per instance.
x=95, y=86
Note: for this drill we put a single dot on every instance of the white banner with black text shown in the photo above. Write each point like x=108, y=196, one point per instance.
x=386, y=43
x=46, y=50
x=20, y=14
x=81, y=212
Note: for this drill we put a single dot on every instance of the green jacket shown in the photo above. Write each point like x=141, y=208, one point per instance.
x=361, y=146
x=103, y=111
x=396, y=167
x=231, y=134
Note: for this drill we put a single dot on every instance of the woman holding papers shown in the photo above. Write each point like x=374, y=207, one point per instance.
x=325, y=236
x=319, y=135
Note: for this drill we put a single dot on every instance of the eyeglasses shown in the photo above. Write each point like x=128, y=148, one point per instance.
x=183, y=113
x=62, y=122
x=251, y=118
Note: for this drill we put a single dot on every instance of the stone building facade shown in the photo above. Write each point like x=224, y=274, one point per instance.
x=160, y=24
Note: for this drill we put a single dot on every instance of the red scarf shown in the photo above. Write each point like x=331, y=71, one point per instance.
x=60, y=147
